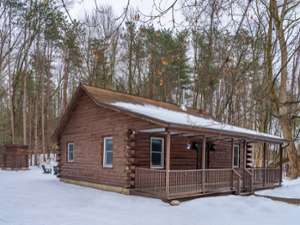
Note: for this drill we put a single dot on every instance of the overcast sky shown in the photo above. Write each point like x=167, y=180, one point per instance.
x=80, y=7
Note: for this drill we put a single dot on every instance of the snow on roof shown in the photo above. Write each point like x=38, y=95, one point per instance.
x=183, y=118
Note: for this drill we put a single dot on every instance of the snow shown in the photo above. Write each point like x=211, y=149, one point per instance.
x=289, y=189
x=183, y=118
x=33, y=198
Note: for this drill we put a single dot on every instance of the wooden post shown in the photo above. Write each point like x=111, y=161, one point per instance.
x=232, y=153
x=280, y=152
x=232, y=161
x=203, y=162
x=245, y=155
x=168, y=153
x=264, y=163
x=58, y=159
x=244, y=163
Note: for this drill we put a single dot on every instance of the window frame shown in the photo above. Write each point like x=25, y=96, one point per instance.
x=68, y=150
x=239, y=156
x=104, y=163
x=162, y=161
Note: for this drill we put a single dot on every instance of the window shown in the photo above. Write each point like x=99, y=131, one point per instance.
x=107, y=152
x=70, y=152
x=236, y=156
x=157, y=152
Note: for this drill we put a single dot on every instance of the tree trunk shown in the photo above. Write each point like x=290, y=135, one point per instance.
x=24, y=109
x=284, y=118
x=43, y=105
x=65, y=83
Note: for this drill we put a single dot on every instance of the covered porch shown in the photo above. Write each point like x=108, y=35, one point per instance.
x=222, y=164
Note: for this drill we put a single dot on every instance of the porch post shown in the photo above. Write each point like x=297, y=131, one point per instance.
x=168, y=152
x=203, y=163
x=264, y=164
x=245, y=154
x=244, y=162
x=232, y=160
x=232, y=153
x=280, y=152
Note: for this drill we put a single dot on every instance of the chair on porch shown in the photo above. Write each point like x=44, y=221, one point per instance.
x=46, y=170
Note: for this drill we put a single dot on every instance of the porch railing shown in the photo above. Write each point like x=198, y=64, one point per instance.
x=197, y=182
x=264, y=177
x=151, y=181
x=186, y=182
x=218, y=180
x=236, y=180
x=247, y=181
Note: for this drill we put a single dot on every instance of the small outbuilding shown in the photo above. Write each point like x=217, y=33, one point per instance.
x=14, y=157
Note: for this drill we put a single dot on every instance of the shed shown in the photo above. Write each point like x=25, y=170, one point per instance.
x=14, y=157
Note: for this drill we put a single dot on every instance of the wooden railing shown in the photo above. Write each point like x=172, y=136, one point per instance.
x=186, y=182
x=152, y=181
x=236, y=181
x=248, y=181
x=218, y=180
x=197, y=182
x=264, y=177
x=258, y=176
x=273, y=175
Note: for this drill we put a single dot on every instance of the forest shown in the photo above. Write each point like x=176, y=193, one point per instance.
x=236, y=61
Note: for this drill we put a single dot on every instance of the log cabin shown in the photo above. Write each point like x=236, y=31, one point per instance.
x=134, y=145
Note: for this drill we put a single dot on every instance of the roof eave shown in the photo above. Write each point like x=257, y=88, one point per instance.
x=260, y=138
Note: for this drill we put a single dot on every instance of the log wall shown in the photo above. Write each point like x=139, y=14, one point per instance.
x=1, y=156
x=86, y=128
x=14, y=156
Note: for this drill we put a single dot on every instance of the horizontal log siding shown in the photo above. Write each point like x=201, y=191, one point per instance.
x=1, y=156
x=87, y=126
x=181, y=158
x=13, y=157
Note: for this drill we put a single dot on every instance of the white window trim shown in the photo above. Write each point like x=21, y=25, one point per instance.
x=239, y=155
x=105, y=165
x=161, y=166
x=68, y=160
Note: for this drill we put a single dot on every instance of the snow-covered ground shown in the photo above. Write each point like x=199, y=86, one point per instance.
x=33, y=198
x=289, y=189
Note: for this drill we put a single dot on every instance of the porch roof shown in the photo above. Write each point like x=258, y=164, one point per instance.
x=170, y=115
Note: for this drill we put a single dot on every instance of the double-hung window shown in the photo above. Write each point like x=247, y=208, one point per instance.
x=108, y=152
x=157, y=152
x=236, y=156
x=70, y=152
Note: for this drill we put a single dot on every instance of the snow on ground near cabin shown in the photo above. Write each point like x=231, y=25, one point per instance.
x=289, y=189
x=183, y=118
x=33, y=198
